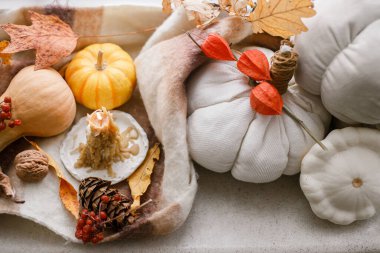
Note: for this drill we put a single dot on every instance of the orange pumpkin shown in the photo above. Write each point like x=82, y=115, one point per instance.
x=101, y=75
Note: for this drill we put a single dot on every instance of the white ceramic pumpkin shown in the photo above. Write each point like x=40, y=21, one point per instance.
x=339, y=59
x=224, y=134
x=342, y=184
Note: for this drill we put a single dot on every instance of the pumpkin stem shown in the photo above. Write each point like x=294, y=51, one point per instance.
x=100, y=64
x=302, y=124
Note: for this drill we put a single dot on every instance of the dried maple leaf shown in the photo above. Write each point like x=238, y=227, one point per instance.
x=52, y=38
x=67, y=192
x=5, y=58
x=140, y=179
x=281, y=17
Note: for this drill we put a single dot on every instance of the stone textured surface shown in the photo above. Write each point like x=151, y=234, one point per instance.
x=228, y=216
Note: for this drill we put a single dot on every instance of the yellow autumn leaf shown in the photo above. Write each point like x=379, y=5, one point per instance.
x=281, y=17
x=4, y=58
x=67, y=192
x=140, y=179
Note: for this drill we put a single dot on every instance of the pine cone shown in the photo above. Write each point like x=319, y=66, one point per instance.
x=91, y=190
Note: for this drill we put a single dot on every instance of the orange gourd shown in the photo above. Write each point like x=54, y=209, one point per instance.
x=42, y=101
x=101, y=75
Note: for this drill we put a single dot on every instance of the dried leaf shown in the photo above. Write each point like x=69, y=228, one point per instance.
x=5, y=185
x=266, y=100
x=51, y=37
x=140, y=179
x=67, y=192
x=254, y=64
x=167, y=6
x=217, y=48
x=281, y=17
x=4, y=58
x=201, y=11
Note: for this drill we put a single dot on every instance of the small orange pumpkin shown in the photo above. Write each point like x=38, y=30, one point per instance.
x=101, y=75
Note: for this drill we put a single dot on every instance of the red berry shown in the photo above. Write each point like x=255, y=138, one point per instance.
x=86, y=229
x=3, y=115
x=94, y=229
x=103, y=215
x=95, y=240
x=11, y=124
x=100, y=236
x=84, y=214
x=79, y=234
x=117, y=197
x=92, y=214
x=7, y=100
x=8, y=115
x=81, y=222
x=105, y=199
x=17, y=122
x=5, y=107
x=2, y=125
x=85, y=238
x=89, y=222
x=97, y=219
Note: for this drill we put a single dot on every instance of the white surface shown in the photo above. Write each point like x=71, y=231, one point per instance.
x=228, y=216
x=70, y=154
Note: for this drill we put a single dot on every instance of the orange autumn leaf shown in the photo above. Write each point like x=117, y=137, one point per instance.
x=68, y=196
x=265, y=99
x=67, y=192
x=217, y=48
x=254, y=64
x=4, y=58
x=52, y=38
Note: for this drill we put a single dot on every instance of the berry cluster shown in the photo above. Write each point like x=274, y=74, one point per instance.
x=6, y=114
x=91, y=225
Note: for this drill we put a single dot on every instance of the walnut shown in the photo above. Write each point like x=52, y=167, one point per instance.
x=31, y=165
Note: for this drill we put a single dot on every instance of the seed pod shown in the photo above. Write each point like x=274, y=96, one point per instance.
x=254, y=64
x=91, y=190
x=266, y=100
x=217, y=48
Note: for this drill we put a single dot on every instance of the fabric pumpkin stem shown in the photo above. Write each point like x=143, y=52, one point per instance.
x=284, y=63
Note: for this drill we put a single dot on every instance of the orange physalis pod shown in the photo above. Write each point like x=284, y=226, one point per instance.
x=254, y=64
x=266, y=100
x=217, y=48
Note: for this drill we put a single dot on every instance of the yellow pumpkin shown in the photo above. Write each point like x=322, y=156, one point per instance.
x=101, y=75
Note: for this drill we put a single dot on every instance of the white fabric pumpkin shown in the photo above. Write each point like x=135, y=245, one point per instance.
x=342, y=183
x=225, y=134
x=340, y=58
